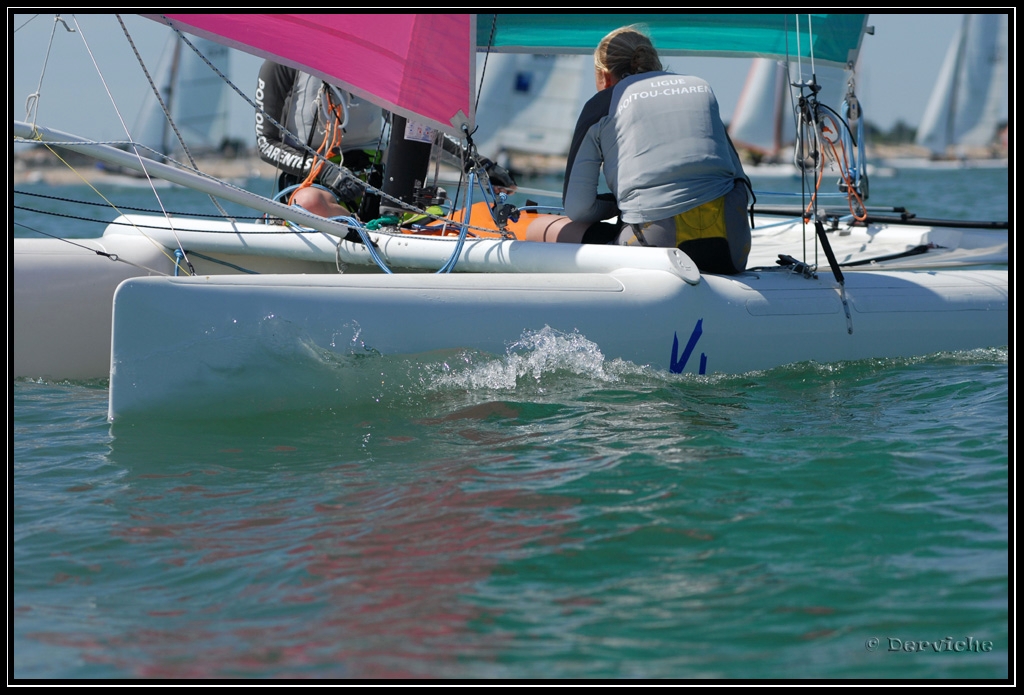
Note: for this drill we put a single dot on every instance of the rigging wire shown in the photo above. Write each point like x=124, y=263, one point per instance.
x=117, y=111
x=121, y=207
x=822, y=144
x=25, y=23
x=824, y=136
x=348, y=173
x=812, y=125
x=112, y=256
x=33, y=102
x=163, y=106
x=159, y=247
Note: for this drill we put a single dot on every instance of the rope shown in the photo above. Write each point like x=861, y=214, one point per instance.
x=266, y=115
x=142, y=226
x=125, y=207
x=87, y=183
x=167, y=113
x=329, y=148
x=211, y=259
x=137, y=146
x=112, y=256
x=156, y=92
x=332, y=143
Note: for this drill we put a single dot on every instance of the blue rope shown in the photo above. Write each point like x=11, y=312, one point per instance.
x=351, y=222
x=355, y=224
x=460, y=242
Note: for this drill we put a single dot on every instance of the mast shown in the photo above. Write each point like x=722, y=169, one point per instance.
x=169, y=98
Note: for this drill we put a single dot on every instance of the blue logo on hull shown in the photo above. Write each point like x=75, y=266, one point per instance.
x=678, y=362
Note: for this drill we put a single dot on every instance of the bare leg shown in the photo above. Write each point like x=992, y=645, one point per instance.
x=556, y=228
x=319, y=202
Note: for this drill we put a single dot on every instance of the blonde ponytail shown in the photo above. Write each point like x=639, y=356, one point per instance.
x=627, y=51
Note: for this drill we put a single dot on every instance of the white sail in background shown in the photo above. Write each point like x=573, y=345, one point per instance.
x=529, y=103
x=764, y=121
x=965, y=106
x=195, y=96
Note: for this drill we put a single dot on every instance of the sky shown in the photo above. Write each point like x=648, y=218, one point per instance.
x=896, y=71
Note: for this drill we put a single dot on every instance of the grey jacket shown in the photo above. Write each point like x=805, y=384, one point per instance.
x=291, y=98
x=662, y=144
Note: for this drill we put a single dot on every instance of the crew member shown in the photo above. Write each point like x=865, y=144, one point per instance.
x=674, y=176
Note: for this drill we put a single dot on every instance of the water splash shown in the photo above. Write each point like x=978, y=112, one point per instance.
x=532, y=358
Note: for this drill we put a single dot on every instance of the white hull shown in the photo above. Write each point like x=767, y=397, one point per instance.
x=247, y=344
x=953, y=164
x=274, y=320
x=788, y=170
x=73, y=289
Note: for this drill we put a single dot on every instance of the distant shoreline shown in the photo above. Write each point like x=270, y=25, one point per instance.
x=34, y=166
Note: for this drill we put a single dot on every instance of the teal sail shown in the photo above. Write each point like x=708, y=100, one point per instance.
x=831, y=39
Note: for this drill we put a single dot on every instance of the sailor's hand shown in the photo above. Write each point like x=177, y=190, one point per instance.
x=342, y=184
x=500, y=177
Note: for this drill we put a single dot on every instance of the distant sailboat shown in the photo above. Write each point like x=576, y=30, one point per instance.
x=529, y=103
x=965, y=106
x=195, y=96
x=764, y=121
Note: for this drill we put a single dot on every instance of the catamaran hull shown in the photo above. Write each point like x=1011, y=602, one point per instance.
x=62, y=299
x=243, y=345
x=72, y=287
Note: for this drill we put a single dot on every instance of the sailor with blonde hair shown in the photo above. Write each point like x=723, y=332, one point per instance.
x=675, y=177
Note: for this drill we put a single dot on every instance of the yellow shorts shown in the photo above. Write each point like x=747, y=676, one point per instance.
x=715, y=235
x=705, y=221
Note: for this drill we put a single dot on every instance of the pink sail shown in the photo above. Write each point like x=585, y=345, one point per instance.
x=421, y=66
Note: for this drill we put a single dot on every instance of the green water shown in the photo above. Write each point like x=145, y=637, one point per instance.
x=543, y=515
x=636, y=526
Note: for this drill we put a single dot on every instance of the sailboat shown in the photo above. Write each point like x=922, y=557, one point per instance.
x=964, y=109
x=529, y=104
x=224, y=317
x=195, y=96
x=764, y=124
x=188, y=106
